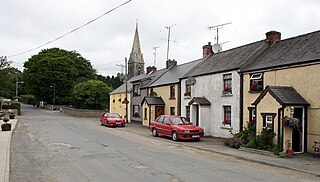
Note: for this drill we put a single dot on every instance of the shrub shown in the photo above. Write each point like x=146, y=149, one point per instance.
x=28, y=99
x=13, y=105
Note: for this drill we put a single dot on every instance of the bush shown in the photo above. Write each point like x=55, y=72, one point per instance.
x=13, y=105
x=28, y=99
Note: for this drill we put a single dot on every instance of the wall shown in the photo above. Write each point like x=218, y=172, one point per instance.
x=119, y=107
x=306, y=81
x=164, y=92
x=211, y=87
x=82, y=112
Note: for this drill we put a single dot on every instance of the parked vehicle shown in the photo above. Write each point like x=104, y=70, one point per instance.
x=176, y=127
x=112, y=119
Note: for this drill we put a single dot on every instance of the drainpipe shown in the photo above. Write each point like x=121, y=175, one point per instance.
x=179, y=98
x=241, y=102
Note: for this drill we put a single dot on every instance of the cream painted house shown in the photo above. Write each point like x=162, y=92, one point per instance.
x=164, y=93
x=283, y=81
x=118, y=101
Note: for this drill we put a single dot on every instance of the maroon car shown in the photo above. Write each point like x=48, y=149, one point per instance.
x=176, y=127
x=112, y=119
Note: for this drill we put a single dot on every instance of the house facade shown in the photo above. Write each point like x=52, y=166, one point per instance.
x=118, y=101
x=281, y=86
x=166, y=92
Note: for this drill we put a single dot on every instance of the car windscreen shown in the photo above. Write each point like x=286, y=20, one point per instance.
x=179, y=120
x=113, y=116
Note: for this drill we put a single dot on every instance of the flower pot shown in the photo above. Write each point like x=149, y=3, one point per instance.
x=11, y=116
x=6, y=127
x=290, y=152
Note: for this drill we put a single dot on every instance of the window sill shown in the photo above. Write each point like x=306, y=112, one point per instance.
x=255, y=91
x=187, y=97
x=227, y=95
x=172, y=98
x=226, y=127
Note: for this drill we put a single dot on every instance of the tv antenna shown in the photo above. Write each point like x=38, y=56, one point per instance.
x=169, y=30
x=155, y=55
x=217, y=27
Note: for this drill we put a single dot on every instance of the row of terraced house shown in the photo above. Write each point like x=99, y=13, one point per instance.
x=261, y=82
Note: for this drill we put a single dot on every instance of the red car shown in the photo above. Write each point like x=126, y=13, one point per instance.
x=176, y=127
x=112, y=119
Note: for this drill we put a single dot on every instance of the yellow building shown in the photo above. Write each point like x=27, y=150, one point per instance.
x=118, y=101
x=282, y=85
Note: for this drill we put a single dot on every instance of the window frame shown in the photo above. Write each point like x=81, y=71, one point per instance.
x=136, y=90
x=227, y=83
x=134, y=111
x=172, y=92
x=257, y=79
x=172, y=111
x=227, y=115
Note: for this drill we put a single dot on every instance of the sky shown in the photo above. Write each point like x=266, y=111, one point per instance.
x=106, y=42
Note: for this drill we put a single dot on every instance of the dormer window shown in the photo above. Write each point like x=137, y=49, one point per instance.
x=136, y=90
x=256, y=82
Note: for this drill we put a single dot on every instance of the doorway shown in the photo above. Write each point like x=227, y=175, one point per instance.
x=159, y=111
x=298, y=133
x=197, y=114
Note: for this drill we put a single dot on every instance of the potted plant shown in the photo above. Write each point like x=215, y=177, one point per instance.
x=6, y=126
x=11, y=115
x=289, y=151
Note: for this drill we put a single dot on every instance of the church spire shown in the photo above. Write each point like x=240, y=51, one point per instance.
x=136, y=61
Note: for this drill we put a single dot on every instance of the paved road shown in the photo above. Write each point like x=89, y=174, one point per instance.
x=50, y=146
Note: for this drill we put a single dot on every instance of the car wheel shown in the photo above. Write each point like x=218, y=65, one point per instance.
x=175, y=136
x=154, y=132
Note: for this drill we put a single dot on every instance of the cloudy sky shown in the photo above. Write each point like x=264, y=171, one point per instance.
x=107, y=41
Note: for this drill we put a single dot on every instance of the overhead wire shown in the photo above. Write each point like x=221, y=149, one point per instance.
x=73, y=30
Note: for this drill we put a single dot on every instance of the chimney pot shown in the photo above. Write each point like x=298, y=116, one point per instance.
x=171, y=63
x=207, y=50
x=273, y=37
x=151, y=69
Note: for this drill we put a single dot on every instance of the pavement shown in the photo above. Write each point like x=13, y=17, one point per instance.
x=5, y=140
x=300, y=162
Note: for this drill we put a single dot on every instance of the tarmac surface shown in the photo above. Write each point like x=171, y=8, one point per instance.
x=301, y=162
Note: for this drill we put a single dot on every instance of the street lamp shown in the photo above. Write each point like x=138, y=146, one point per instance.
x=54, y=95
x=17, y=85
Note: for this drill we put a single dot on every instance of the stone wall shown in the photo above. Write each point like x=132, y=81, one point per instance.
x=82, y=112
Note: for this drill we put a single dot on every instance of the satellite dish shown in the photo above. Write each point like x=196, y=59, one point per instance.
x=190, y=81
x=217, y=48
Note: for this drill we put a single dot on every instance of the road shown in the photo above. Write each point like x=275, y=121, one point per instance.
x=50, y=146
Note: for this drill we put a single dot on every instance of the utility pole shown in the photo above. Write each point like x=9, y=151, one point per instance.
x=169, y=30
x=54, y=96
x=126, y=80
x=155, y=55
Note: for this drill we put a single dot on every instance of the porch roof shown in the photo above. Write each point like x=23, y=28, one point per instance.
x=153, y=101
x=284, y=95
x=202, y=101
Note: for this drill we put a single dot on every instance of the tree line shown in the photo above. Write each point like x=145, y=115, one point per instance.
x=58, y=76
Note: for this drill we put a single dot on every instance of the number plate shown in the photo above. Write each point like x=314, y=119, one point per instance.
x=195, y=136
x=118, y=122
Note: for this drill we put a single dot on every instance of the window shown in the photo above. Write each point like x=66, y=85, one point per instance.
x=188, y=91
x=136, y=110
x=268, y=120
x=188, y=113
x=252, y=115
x=136, y=90
x=227, y=115
x=166, y=120
x=160, y=119
x=227, y=84
x=256, y=82
x=172, y=111
x=172, y=92
x=145, y=113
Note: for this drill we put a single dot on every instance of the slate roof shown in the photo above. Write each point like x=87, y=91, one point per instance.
x=287, y=52
x=122, y=88
x=202, y=101
x=227, y=60
x=174, y=73
x=153, y=101
x=284, y=95
x=154, y=77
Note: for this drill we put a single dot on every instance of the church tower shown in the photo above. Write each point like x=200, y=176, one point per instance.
x=136, y=61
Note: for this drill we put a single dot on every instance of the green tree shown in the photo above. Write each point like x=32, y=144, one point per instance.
x=8, y=77
x=113, y=81
x=92, y=94
x=58, y=67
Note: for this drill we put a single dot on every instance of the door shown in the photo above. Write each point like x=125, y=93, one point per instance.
x=159, y=111
x=197, y=115
x=297, y=133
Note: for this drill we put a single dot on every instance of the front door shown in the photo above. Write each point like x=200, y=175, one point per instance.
x=297, y=133
x=159, y=111
x=197, y=115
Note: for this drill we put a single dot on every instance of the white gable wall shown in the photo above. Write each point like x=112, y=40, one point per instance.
x=211, y=117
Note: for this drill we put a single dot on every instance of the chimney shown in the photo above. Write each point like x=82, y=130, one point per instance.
x=151, y=69
x=171, y=63
x=207, y=50
x=273, y=37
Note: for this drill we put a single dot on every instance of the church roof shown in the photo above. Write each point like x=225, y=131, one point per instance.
x=136, y=55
